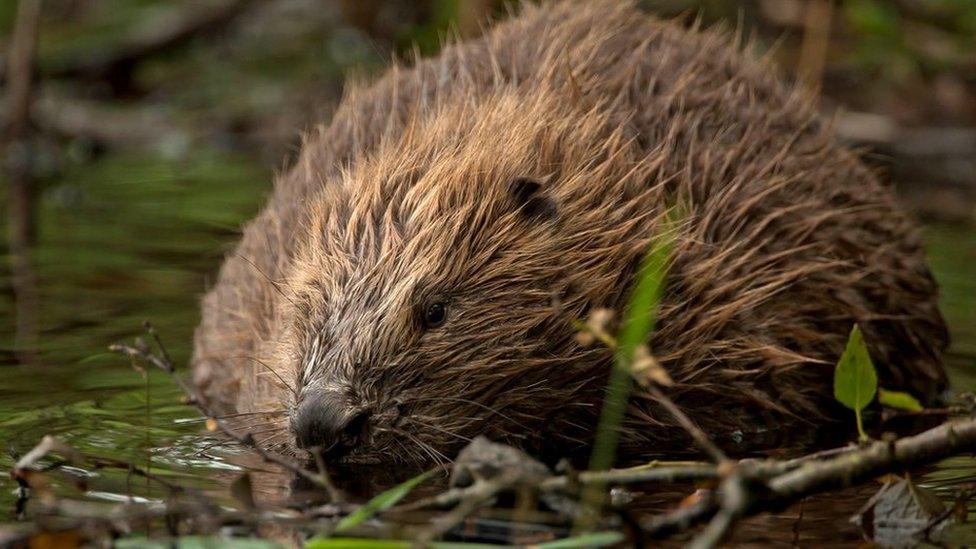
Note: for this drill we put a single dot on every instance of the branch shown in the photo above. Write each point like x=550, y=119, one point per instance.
x=686, y=423
x=162, y=361
x=665, y=473
x=739, y=496
x=880, y=457
x=23, y=47
x=50, y=444
x=681, y=519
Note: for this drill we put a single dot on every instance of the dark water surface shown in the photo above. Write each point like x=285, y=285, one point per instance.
x=127, y=239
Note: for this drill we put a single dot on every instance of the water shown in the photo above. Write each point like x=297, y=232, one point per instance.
x=120, y=241
x=124, y=239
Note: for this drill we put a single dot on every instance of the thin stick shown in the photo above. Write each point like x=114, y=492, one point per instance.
x=699, y=436
x=163, y=363
x=636, y=475
x=814, y=476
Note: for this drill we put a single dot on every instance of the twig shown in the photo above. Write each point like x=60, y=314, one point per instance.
x=142, y=352
x=880, y=457
x=335, y=495
x=478, y=495
x=686, y=423
x=50, y=444
x=480, y=490
x=23, y=47
x=739, y=497
x=668, y=474
x=593, y=328
x=440, y=525
x=734, y=501
x=667, y=524
x=771, y=468
x=816, y=38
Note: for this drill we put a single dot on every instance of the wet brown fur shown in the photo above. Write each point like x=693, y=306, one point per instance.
x=786, y=240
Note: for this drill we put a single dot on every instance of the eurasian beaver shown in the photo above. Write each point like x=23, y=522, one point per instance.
x=414, y=279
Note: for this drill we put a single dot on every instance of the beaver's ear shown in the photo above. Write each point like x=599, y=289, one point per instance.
x=529, y=198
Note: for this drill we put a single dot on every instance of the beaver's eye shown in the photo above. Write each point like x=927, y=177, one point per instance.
x=435, y=314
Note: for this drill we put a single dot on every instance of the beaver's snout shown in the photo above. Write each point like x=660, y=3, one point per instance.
x=327, y=421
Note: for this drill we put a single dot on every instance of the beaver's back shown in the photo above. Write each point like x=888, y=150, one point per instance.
x=787, y=242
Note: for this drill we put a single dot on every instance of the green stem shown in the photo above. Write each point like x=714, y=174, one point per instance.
x=607, y=435
x=860, y=426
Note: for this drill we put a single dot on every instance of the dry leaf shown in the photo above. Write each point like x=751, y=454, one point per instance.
x=646, y=369
x=596, y=327
x=900, y=514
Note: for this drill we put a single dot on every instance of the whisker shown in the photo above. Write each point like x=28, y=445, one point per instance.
x=436, y=428
x=273, y=372
x=436, y=456
x=411, y=453
x=273, y=283
x=468, y=401
x=209, y=447
x=263, y=431
x=254, y=413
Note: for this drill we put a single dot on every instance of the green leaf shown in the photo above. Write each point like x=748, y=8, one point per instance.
x=596, y=539
x=855, y=379
x=900, y=400
x=381, y=502
x=356, y=543
x=362, y=543
x=638, y=323
x=641, y=315
x=195, y=542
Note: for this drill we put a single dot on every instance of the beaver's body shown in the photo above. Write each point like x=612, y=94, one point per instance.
x=414, y=278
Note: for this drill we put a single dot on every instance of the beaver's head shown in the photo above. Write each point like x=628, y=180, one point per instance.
x=433, y=299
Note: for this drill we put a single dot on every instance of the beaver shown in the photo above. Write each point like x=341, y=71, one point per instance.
x=415, y=278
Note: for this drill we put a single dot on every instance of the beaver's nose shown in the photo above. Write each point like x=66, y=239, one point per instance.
x=329, y=423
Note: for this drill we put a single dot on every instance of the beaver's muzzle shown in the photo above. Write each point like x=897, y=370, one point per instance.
x=327, y=422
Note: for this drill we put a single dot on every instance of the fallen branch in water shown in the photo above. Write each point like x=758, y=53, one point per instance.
x=748, y=487
x=934, y=168
x=747, y=492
